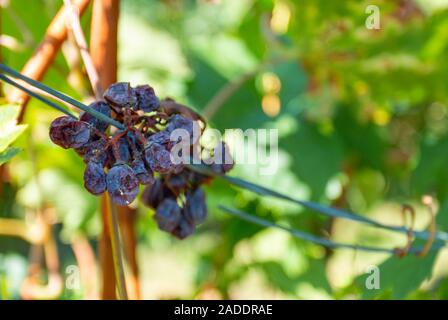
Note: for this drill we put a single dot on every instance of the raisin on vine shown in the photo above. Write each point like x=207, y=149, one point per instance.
x=94, y=151
x=195, y=208
x=94, y=178
x=147, y=100
x=141, y=149
x=159, y=158
x=143, y=175
x=100, y=106
x=122, y=184
x=184, y=229
x=69, y=133
x=120, y=95
x=178, y=121
x=153, y=194
x=168, y=215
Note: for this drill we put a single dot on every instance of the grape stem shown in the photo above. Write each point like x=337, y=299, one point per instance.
x=80, y=39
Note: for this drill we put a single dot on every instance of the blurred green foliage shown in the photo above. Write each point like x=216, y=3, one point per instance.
x=362, y=120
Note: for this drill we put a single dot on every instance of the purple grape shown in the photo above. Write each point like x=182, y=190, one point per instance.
x=143, y=175
x=159, y=158
x=178, y=121
x=124, y=150
x=226, y=162
x=178, y=182
x=147, y=101
x=184, y=229
x=94, y=178
x=153, y=194
x=69, y=133
x=168, y=215
x=161, y=137
x=195, y=209
x=56, y=131
x=100, y=106
x=137, y=161
x=120, y=95
x=94, y=151
x=122, y=184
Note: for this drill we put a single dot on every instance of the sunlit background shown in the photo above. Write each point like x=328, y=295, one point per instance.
x=362, y=120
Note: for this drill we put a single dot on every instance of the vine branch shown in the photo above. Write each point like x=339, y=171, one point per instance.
x=45, y=54
x=75, y=26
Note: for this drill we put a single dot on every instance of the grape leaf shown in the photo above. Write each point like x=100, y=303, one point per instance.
x=7, y=154
x=9, y=131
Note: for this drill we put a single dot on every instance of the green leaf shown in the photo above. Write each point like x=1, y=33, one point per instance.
x=241, y=110
x=9, y=130
x=430, y=174
x=307, y=145
x=7, y=154
x=399, y=276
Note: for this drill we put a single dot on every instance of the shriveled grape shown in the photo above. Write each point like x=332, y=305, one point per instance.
x=122, y=184
x=94, y=178
x=168, y=215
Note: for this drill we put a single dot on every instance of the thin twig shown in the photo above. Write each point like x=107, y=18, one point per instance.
x=228, y=90
x=75, y=24
x=45, y=54
x=231, y=87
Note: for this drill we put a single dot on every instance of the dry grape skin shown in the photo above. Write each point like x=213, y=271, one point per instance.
x=94, y=151
x=168, y=215
x=153, y=194
x=147, y=100
x=159, y=158
x=56, y=131
x=178, y=121
x=69, y=133
x=143, y=175
x=121, y=95
x=100, y=106
x=122, y=184
x=184, y=229
x=94, y=178
x=195, y=206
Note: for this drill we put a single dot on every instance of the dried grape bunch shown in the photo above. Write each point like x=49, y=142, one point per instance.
x=144, y=153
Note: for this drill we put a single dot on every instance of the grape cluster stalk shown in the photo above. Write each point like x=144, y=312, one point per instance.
x=119, y=161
